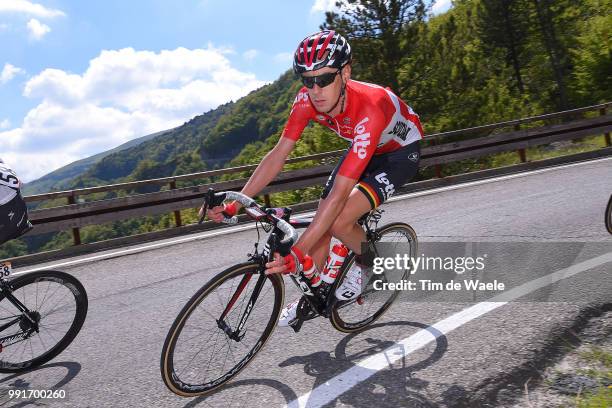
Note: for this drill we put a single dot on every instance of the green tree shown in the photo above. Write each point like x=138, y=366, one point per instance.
x=593, y=55
x=375, y=29
x=504, y=24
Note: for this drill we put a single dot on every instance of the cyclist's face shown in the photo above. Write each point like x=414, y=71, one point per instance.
x=324, y=98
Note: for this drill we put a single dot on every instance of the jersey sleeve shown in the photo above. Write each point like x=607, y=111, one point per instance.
x=366, y=137
x=8, y=178
x=301, y=113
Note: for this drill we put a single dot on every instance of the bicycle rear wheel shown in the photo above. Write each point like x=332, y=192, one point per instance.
x=57, y=306
x=210, y=341
x=355, y=314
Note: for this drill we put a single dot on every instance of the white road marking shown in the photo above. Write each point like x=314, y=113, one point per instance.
x=330, y=390
x=231, y=230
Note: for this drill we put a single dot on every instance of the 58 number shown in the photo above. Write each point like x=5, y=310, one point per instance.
x=5, y=270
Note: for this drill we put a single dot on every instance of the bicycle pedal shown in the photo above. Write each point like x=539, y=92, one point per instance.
x=304, y=311
x=296, y=325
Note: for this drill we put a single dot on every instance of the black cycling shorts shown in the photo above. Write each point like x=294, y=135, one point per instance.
x=384, y=173
x=13, y=219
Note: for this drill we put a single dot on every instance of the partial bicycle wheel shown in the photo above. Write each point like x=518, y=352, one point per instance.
x=609, y=215
x=355, y=314
x=56, y=305
x=221, y=329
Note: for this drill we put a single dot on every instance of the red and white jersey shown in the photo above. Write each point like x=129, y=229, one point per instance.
x=374, y=120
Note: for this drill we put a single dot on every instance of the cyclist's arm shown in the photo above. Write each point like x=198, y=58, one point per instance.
x=269, y=167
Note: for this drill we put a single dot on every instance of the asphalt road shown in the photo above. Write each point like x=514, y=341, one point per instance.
x=133, y=299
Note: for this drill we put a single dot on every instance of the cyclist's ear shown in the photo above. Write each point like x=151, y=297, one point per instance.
x=346, y=72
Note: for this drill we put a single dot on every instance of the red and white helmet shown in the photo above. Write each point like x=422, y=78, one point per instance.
x=323, y=49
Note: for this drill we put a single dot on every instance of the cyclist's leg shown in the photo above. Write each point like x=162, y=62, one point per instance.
x=320, y=251
x=345, y=228
x=383, y=175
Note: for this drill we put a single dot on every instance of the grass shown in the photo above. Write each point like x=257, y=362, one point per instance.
x=601, y=399
x=602, y=361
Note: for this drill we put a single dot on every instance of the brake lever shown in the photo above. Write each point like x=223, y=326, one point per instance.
x=208, y=198
x=203, y=216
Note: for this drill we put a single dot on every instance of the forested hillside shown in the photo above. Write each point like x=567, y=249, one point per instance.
x=483, y=61
x=63, y=177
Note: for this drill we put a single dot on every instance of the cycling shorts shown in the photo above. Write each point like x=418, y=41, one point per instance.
x=384, y=174
x=13, y=219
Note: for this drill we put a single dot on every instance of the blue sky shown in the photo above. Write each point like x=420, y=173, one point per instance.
x=80, y=77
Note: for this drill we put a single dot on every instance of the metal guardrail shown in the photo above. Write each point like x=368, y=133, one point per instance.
x=77, y=215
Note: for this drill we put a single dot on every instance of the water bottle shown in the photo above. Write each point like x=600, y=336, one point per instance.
x=334, y=262
x=310, y=272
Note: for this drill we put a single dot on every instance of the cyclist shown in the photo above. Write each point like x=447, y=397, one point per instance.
x=13, y=211
x=383, y=155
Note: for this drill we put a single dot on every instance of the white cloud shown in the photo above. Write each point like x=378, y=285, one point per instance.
x=321, y=6
x=122, y=94
x=441, y=6
x=250, y=55
x=37, y=29
x=29, y=8
x=5, y=124
x=8, y=72
x=4, y=27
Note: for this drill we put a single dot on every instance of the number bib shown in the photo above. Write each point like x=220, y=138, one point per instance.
x=5, y=269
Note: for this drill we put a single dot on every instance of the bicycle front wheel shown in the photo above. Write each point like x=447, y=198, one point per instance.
x=56, y=307
x=355, y=314
x=609, y=215
x=221, y=329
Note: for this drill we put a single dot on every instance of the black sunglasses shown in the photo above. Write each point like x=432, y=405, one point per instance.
x=322, y=80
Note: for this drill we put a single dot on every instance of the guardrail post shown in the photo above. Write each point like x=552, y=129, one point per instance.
x=437, y=167
x=602, y=112
x=267, y=200
x=76, y=233
x=522, y=153
x=177, y=214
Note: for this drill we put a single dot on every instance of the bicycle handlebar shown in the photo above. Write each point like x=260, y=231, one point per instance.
x=213, y=199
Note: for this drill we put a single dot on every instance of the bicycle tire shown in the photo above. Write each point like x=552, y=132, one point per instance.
x=18, y=289
x=169, y=356
x=340, y=323
x=609, y=215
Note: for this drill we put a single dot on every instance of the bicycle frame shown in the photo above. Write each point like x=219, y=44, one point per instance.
x=5, y=291
x=320, y=305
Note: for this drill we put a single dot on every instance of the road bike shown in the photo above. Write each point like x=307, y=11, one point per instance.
x=40, y=314
x=228, y=321
x=609, y=215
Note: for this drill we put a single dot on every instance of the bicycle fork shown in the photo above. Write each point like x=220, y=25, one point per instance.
x=237, y=334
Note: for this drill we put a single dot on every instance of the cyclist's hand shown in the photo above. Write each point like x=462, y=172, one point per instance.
x=216, y=213
x=291, y=263
x=278, y=265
